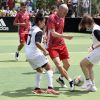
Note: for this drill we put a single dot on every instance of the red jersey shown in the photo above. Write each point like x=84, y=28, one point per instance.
x=23, y=17
x=57, y=23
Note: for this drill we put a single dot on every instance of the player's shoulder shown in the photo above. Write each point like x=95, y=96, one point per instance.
x=96, y=27
x=52, y=17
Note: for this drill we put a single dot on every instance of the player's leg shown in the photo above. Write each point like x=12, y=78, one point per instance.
x=64, y=56
x=66, y=65
x=91, y=73
x=85, y=64
x=37, y=81
x=54, y=54
x=50, y=79
x=62, y=71
x=20, y=46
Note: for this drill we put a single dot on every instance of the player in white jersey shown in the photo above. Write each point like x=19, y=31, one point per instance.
x=88, y=62
x=36, y=55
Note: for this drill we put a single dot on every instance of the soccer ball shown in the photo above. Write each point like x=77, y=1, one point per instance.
x=79, y=80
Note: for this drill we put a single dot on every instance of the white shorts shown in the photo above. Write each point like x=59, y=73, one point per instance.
x=38, y=61
x=94, y=56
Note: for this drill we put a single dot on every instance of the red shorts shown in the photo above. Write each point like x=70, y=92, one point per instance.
x=23, y=36
x=59, y=51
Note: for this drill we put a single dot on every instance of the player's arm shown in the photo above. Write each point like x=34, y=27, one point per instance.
x=97, y=36
x=58, y=35
x=51, y=28
x=38, y=39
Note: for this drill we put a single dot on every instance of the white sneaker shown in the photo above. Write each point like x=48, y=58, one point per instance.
x=93, y=88
x=16, y=56
x=84, y=85
x=88, y=86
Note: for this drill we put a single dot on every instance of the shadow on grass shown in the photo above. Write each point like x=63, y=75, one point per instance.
x=29, y=73
x=76, y=92
x=7, y=61
x=25, y=93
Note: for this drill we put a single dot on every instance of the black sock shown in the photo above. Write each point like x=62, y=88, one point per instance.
x=37, y=88
x=50, y=87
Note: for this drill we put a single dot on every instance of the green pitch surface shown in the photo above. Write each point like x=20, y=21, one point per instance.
x=17, y=79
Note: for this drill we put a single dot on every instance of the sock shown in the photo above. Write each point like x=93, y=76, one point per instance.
x=50, y=80
x=61, y=77
x=69, y=79
x=17, y=51
x=38, y=79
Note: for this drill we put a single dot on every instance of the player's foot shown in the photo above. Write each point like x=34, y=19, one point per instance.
x=52, y=91
x=93, y=88
x=17, y=56
x=71, y=83
x=61, y=82
x=38, y=91
x=87, y=84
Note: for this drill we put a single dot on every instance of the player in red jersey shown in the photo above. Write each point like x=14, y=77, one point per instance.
x=56, y=45
x=22, y=20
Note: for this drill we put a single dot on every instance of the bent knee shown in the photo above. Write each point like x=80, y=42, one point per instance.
x=84, y=62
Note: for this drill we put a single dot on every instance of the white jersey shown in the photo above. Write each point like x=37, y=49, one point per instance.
x=94, y=56
x=94, y=39
x=31, y=49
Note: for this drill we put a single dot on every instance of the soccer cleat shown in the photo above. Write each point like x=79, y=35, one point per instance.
x=52, y=91
x=61, y=82
x=38, y=91
x=71, y=83
x=16, y=56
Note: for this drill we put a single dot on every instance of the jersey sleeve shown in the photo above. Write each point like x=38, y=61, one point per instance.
x=97, y=34
x=51, y=22
x=17, y=17
x=38, y=37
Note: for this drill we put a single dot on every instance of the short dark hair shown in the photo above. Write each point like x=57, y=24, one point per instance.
x=39, y=17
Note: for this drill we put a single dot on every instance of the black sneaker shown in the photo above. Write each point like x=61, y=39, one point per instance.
x=71, y=83
x=61, y=82
x=16, y=56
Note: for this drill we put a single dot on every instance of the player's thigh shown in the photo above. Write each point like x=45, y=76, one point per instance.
x=94, y=56
x=63, y=52
x=53, y=53
x=57, y=61
x=22, y=38
x=38, y=61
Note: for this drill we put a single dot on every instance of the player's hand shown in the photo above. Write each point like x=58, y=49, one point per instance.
x=69, y=37
x=90, y=49
x=46, y=53
x=23, y=24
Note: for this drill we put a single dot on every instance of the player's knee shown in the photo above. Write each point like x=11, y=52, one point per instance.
x=66, y=66
x=40, y=70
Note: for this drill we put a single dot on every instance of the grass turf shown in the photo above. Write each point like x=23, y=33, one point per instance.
x=17, y=78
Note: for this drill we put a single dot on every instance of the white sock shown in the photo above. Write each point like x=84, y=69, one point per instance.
x=69, y=79
x=50, y=79
x=61, y=77
x=38, y=79
x=17, y=51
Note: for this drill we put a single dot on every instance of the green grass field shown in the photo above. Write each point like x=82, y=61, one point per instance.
x=17, y=78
